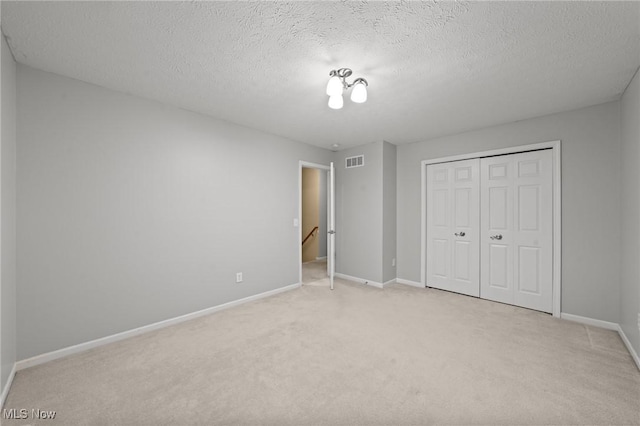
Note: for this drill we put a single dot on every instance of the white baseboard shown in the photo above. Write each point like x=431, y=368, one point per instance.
x=388, y=282
x=50, y=356
x=7, y=386
x=630, y=348
x=359, y=280
x=590, y=321
x=409, y=282
x=321, y=258
x=377, y=284
x=607, y=325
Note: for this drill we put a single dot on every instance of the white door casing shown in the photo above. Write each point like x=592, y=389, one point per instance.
x=330, y=208
x=331, y=241
x=517, y=229
x=453, y=228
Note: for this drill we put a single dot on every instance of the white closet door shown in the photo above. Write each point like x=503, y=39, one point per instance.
x=496, y=245
x=453, y=224
x=517, y=229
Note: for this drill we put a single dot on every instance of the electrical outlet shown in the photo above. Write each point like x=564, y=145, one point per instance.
x=239, y=277
x=639, y=321
x=393, y=262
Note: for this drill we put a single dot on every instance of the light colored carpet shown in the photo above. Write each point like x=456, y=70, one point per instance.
x=356, y=355
x=314, y=272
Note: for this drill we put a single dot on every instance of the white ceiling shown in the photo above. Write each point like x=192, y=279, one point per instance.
x=434, y=68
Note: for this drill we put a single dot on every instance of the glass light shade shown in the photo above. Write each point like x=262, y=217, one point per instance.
x=359, y=93
x=334, y=86
x=335, y=102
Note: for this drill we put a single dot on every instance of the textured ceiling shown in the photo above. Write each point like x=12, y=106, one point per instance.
x=434, y=68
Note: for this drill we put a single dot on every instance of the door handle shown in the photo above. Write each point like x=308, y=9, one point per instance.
x=459, y=234
x=331, y=232
x=496, y=237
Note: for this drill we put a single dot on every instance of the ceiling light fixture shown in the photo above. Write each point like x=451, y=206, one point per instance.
x=338, y=84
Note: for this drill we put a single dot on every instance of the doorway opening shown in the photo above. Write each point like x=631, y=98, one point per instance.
x=313, y=224
x=316, y=215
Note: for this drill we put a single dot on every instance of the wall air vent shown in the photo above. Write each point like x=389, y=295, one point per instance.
x=357, y=161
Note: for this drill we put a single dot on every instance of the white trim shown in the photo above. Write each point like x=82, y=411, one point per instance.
x=50, y=356
x=7, y=386
x=331, y=224
x=360, y=280
x=557, y=228
x=630, y=348
x=589, y=321
x=304, y=164
x=493, y=152
x=607, y=325
x=392, y=281
x=321, y=258
x=409, y=282
x=423, y=224
x=309, y=165
x=557, y=209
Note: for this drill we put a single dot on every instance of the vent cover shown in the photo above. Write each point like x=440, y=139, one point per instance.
x=357, y=161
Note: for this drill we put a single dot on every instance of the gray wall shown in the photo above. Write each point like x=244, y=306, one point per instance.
x=630, y=283
x=132, y=212
x=389, y=205
x=322, y=215
x=8, y=214
x=591, y=161
x=366, y=213
x=359, y=213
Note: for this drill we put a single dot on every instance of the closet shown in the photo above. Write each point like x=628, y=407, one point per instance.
x=490, y=228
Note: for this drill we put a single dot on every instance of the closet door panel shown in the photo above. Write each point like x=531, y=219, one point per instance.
x=440, y=265
x=533, y=216
x=498, y=268
x=498, y=197
x=517, y=235
x=453, y=259
x=496, y=209
x=438, y=225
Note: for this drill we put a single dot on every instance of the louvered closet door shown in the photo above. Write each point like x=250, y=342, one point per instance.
x=517, y=234
x=453, y=226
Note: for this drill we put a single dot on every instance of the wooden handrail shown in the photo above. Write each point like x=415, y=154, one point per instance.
x=309, y=235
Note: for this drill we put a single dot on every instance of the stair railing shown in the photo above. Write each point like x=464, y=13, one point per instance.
x=309, y=235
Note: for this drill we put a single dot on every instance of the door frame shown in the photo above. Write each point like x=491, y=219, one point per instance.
x=555, y=147
x=308, y=165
